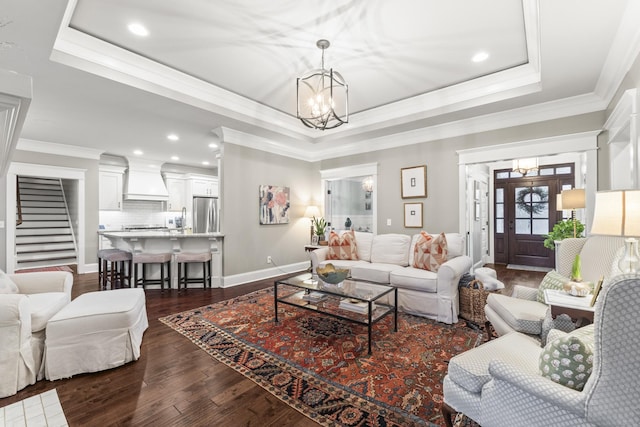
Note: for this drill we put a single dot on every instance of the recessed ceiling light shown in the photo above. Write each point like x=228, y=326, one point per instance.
x=213, y=145
x=138, y=29
x=138, y=152
x=175, y=158
x=480, y=56
x=173, y=137
x=205, y=163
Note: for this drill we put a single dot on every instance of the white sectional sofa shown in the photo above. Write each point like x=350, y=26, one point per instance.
x=388, y=259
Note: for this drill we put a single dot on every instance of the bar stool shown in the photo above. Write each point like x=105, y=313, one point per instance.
x=164, y=259
x=184, y=258
x=112, y=269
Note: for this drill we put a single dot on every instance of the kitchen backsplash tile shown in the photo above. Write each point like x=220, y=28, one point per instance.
x=135, y=212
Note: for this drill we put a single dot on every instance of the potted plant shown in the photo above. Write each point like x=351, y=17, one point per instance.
x=562, y=230
x=576, y=286
x=319, y=227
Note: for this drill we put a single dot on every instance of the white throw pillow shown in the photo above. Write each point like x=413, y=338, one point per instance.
x=455, y=244
x=7, y=286
x=391, y=249
x=363, y=245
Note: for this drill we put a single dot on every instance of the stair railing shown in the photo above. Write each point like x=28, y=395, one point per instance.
x=18, y=202
x=66, y=208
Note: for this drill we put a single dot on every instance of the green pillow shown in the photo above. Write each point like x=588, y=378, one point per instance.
x=568, y=360
x=552, y=280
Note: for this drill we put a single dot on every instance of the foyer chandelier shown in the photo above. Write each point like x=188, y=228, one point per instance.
x=367, y=184
x=524, y=166
x=323, y=101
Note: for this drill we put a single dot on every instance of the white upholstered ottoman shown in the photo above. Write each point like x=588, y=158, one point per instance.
x=96, y=331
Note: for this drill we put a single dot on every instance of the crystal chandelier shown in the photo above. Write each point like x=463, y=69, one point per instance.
x=323, y=101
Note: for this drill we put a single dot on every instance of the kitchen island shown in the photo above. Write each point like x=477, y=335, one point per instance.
x=174, y=242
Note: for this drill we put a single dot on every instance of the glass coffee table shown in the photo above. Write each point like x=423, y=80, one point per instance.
x=353, y=300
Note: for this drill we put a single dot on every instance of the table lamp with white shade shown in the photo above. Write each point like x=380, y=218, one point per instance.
x=572, y=200
x=617, y=213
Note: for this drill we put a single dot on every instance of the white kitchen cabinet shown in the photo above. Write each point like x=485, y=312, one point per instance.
x=177, y=188
x=202, y=186
x=110, y=188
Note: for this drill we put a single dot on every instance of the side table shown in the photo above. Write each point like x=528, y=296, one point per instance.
x=578, y=308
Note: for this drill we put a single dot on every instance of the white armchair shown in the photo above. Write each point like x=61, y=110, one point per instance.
x=521, y=311
x=23, y=318
x=499, y=384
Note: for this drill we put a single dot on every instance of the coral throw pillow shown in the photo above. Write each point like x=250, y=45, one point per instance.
x=430, y=251
x=342, y=247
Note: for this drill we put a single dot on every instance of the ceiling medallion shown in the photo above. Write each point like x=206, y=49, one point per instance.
x=323, y=101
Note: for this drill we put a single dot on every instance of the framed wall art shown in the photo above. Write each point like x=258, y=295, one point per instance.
x=274, y=204
x=413, y=182
x=413, y=215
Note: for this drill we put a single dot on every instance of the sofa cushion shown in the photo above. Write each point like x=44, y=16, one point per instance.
x=523, y=315
x=568, y=360
x=342, y=246
x=363, y=245
x=391, y=249
x=414, y=278
x=7, y=286
x=470, y=370
x=430, y=251
x=552, y=280
x=44, y=306
x=374, y=272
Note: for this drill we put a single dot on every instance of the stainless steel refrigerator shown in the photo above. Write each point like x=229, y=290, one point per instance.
x=205, y=214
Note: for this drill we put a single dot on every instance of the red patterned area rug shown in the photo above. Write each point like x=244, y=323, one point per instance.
x=319, y=365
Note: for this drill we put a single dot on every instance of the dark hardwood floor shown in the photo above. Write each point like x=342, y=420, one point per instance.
x=174, y=383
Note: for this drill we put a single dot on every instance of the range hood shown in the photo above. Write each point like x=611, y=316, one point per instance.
x=144, y=182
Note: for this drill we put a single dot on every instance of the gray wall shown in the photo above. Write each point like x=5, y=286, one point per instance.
x=441, y=204
x=247, y=243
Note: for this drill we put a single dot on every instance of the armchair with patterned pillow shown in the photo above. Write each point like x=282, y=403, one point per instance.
x=588, y=377
x=525, y=311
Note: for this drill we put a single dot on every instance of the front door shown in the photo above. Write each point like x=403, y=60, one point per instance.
x=525, y=211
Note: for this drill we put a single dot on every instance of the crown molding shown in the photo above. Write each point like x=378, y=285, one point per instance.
x=82, y=51
x=623, y=53
x=90, y=54
x=16, y=91
x=59, y=149
x=570, y=143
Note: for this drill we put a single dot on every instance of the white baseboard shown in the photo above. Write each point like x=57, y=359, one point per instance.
x=252, y=276
x=234, y=280
x=88, y=268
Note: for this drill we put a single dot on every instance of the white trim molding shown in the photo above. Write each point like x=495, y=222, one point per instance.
x=15, y=97
x=59, y=149
x=584, y=144
x=253, y=276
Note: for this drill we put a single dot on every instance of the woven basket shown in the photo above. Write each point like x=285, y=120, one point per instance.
x=472, y=301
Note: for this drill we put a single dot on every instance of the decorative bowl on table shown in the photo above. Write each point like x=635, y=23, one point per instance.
x=332, y=275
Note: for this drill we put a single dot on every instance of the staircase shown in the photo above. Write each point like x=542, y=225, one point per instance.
x=44, y=237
